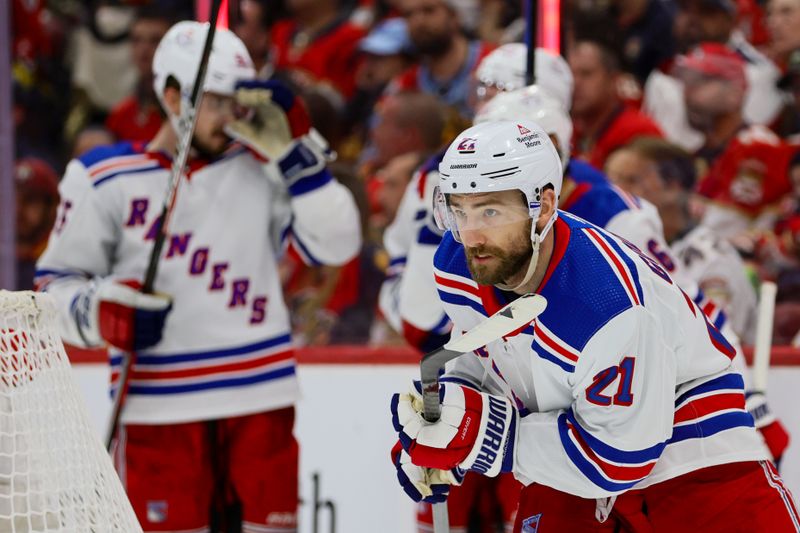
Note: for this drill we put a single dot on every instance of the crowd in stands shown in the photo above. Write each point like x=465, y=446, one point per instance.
x=693, y=105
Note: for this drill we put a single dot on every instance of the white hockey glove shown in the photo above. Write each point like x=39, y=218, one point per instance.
x=476, y=431
x=279, y=129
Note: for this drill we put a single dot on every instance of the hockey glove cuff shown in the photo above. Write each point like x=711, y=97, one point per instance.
x=118, y=313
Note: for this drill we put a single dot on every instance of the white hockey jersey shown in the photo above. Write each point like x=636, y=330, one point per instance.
x=621, y=383
x=226, y=349
x=720, y=272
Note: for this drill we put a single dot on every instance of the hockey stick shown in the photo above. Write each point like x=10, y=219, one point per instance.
x=510, y=318
x=763, y=343
x=186, y=125
x=531, y=38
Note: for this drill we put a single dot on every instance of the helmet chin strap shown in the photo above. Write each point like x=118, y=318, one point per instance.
x=536, y=240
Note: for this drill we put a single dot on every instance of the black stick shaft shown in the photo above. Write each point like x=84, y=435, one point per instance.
x=532, y=33
x=188, y=120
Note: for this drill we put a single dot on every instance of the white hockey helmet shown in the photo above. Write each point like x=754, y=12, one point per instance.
x=179, y=52
x=500, y=156
x=536, y=104
x=504, y=69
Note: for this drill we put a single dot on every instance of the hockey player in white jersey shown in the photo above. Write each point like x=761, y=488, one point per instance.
x=409, y=298
x=619, y=404
x=207, y=425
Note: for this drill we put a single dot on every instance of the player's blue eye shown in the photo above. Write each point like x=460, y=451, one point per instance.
x=490, y=213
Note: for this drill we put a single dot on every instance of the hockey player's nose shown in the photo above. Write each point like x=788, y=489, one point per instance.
x=473, y=238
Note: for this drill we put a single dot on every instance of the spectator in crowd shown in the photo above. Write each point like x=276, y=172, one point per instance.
x=602, y=121
x=40, y=80
x=788, y=122
x=256, y=18
x=36, y=187
x=783, y=21
x=699, y=21
x=385, y=53
x=646, y=33
x=405, y=122
x=101, y=74
x=138, y=117
x=746, y=165
x=90, y=137
x=447, y=57
x=714, y=87
x=318, y=45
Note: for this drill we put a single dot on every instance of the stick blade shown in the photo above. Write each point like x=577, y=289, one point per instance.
x=510, y=318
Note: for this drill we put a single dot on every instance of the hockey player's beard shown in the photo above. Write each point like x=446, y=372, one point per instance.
x=507, y=264
x=431, y=44
x=206, y=152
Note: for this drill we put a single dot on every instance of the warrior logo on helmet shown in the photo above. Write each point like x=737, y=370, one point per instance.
x=467, y=145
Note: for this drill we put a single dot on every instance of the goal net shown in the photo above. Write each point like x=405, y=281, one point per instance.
x=55, y=474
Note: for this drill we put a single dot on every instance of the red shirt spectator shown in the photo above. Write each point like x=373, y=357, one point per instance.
x=623, y=126
x=129, y=121
x=602, y=121
x=751, y=174
x=329, y=55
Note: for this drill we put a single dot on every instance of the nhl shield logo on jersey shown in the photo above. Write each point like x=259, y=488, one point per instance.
x=531, y=524
x=467, y=145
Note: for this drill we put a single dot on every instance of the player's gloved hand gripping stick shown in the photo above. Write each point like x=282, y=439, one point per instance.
x=510, y=318
x=185, y=131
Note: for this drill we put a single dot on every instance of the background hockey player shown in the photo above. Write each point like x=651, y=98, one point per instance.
x=207, y=425
x=618, y=406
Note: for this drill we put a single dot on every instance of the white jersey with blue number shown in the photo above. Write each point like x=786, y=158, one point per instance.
x=622, y=382
x=226, y=349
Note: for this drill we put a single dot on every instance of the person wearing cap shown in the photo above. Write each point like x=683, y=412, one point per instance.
x=738, y=173
x=603, y=122
x=447, y=58
x=699, y=21
x=384, y=53
x=36, y=187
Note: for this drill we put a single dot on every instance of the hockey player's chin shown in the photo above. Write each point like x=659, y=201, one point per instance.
x=484, y=269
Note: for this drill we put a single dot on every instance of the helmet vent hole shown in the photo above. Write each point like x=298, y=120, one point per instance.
x=501, y=154
x=473, y=185
x=454, y=185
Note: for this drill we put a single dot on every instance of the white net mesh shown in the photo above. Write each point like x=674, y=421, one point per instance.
x=55, y=474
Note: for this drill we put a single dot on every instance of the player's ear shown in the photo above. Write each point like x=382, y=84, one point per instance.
x=549, y=205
